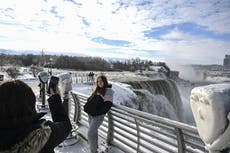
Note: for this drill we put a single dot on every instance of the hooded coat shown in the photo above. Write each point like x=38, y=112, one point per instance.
x=38, y=136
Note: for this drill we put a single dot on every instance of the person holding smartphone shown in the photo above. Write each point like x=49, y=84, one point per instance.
x=22, y=129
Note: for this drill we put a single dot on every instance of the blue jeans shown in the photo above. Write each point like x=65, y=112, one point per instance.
x=94, y=123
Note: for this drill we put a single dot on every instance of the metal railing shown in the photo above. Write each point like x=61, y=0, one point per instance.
x=134, y=131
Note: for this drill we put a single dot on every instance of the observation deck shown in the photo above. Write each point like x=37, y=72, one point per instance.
x=126, y=130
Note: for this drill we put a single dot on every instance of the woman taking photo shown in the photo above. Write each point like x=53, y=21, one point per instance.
x=103, y=96
x=22, y=129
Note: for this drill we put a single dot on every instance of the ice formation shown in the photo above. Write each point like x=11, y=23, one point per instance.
x=211, y=109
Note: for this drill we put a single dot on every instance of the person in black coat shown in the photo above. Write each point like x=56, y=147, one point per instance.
x=22, y=129
x=97, y=108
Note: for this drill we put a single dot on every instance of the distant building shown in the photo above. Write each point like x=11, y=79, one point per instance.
x=227, y=62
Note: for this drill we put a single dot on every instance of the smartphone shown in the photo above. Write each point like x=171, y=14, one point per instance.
x=52, y=84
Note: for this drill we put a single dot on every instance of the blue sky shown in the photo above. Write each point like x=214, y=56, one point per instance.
x=174, y=31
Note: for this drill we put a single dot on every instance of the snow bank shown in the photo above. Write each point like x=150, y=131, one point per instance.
x=26, y=76
x=211, y=109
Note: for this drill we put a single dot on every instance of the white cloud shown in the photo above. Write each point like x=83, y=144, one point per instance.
x=176, y=34
x=32, y=25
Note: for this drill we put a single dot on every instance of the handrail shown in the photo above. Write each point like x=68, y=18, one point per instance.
x=135, y=131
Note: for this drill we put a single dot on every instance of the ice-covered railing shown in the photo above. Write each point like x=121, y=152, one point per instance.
x=134, y=131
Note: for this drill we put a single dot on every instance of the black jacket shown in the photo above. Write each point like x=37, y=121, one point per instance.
x=96, y=105
x=60, y=128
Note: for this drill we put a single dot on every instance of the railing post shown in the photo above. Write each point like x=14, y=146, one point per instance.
x=77, y=108
x=138, y=135
x=110, y=128
x=180, y=140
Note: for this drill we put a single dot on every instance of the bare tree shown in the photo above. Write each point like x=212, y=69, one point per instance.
x=13, y=72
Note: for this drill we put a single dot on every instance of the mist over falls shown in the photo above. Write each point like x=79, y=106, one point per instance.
x=160, y=97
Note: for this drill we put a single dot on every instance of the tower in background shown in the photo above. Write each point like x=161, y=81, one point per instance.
x=227, y=62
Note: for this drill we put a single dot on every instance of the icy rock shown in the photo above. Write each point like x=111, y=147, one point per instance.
x=211, y=110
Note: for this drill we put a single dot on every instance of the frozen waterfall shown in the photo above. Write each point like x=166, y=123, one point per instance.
x=160, y=97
